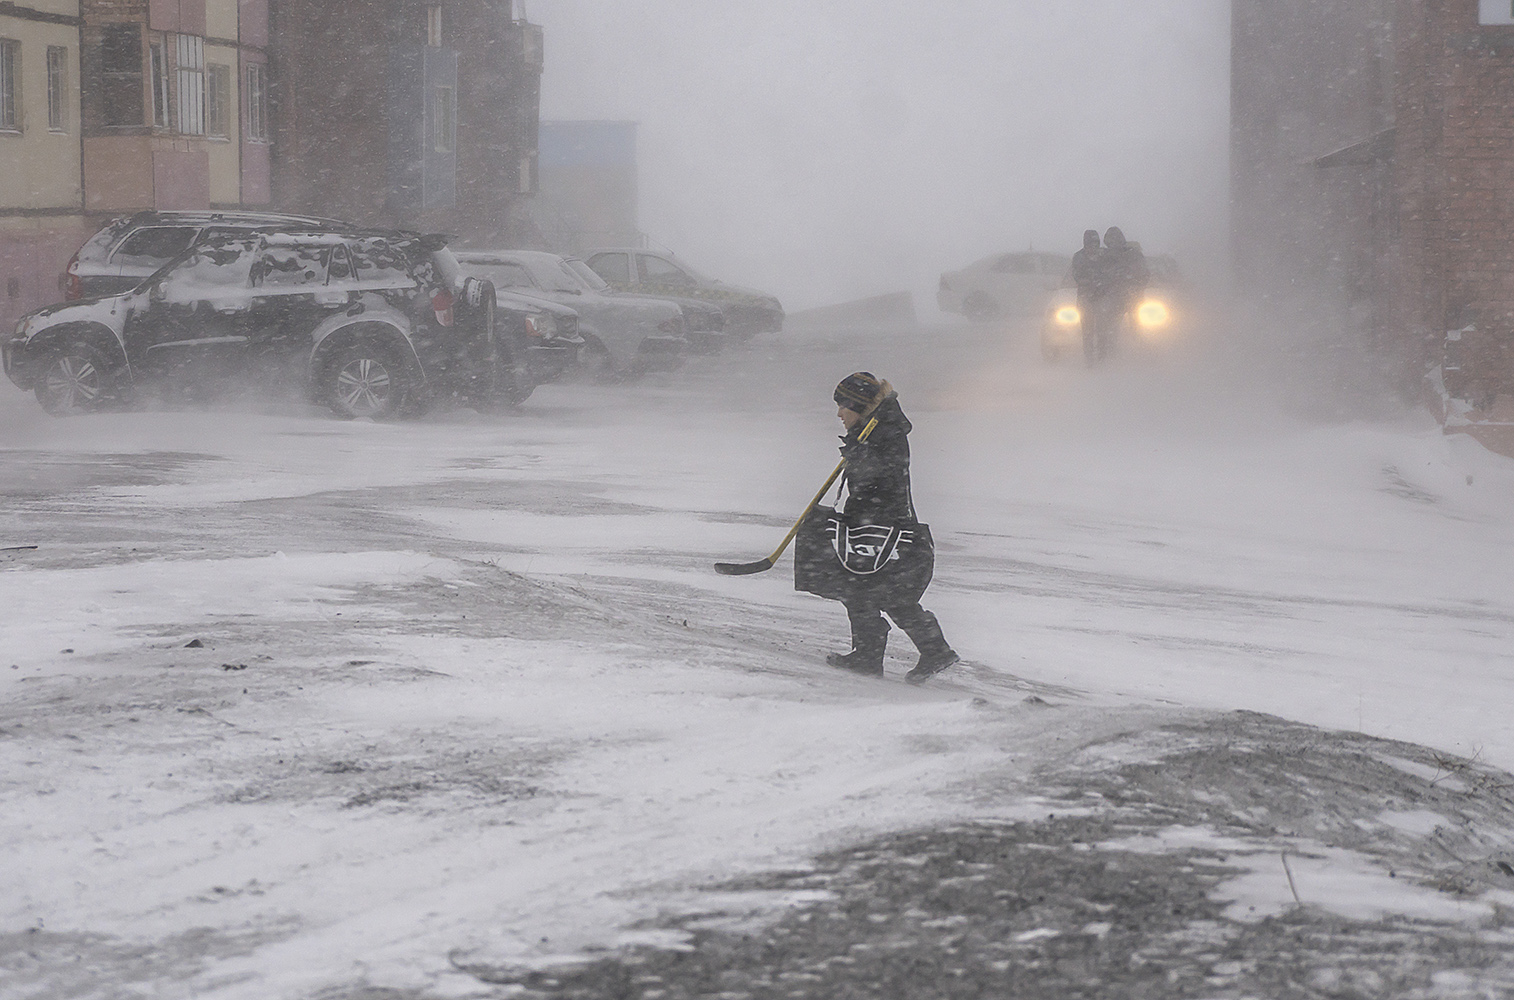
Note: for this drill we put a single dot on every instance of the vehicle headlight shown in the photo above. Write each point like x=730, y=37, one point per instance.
x=541, y=325
x=1068, y=316
x=1153, y=314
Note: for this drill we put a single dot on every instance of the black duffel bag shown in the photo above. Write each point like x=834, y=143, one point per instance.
x=846, y=559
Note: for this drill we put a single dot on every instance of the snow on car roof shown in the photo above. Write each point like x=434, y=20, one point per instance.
x=304, y=239
x=201, y=216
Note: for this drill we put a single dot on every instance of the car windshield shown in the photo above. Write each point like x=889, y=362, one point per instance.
x=586, y=272
x=556, y=277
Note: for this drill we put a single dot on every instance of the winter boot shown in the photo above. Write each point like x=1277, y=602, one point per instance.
x=925, y=632
x=931, y=664
x=869, y=640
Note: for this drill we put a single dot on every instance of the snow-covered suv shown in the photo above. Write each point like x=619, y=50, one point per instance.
x=370, y=323
x=128, y=250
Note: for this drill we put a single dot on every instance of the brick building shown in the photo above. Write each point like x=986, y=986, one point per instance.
x=1373, y=181
x=407, y=113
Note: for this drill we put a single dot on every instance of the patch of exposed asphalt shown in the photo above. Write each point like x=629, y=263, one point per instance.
x=32, y=476
x=1064, y=906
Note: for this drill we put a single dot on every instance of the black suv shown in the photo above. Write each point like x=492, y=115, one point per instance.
x=371, y=323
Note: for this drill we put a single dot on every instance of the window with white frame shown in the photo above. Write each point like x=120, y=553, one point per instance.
x=257, y=102
x=191, y=63
x=218, y=100
x=443, y=118
x=57, y=88
x=158, y=60
x=10, y=85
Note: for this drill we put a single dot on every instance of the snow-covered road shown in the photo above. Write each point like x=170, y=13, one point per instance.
x=467, y=686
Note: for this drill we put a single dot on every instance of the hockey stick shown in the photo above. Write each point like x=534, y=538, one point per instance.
x=763, y=565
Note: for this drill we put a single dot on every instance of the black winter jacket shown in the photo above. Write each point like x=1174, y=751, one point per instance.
x=877, y=470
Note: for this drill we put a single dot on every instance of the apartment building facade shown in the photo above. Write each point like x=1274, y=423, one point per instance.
x=41, y=188
x=383, y=112
x=109, y=107
x=588, y=189
x=174, y=104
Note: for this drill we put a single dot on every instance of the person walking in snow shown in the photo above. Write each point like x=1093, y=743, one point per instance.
x=874, y=555
x=1126, y=272
x=1084, y=273
x=1110, y=280
x=1098, y=309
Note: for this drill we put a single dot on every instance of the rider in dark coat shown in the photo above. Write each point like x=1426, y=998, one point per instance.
x=878, y=492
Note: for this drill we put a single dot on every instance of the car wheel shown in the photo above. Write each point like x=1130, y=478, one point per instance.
x=366, y=380
x=980, y=308
x=510, y=381
x=78, y=380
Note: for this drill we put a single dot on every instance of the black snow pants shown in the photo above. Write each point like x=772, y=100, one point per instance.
x=870, y=631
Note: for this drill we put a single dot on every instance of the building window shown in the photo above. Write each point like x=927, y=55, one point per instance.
x=218, y=100
x=442, y=119
x=57, y=88
x=191, y=53
x=434, y=25
x=257, y=103
x=159, y=51
x=121, y=74
x=10, y=85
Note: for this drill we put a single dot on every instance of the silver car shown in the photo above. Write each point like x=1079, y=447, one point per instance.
x=625, y=334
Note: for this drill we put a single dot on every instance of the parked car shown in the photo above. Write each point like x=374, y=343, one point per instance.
x=703, y=322
x=370, y=323
x=128, y=250
x=549, y=331
x=1155, y=320
x=626, y=334
x=1003, y=284
x=650, y=272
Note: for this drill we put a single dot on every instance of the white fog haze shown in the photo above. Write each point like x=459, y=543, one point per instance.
x=415, y=586
x=846, y=148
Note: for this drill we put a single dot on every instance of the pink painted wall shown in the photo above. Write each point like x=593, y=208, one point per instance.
x=30, y=264
x=192, y=17
x=187, y=16
x=254, y=27
x=163, y=15
x=180, y=179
